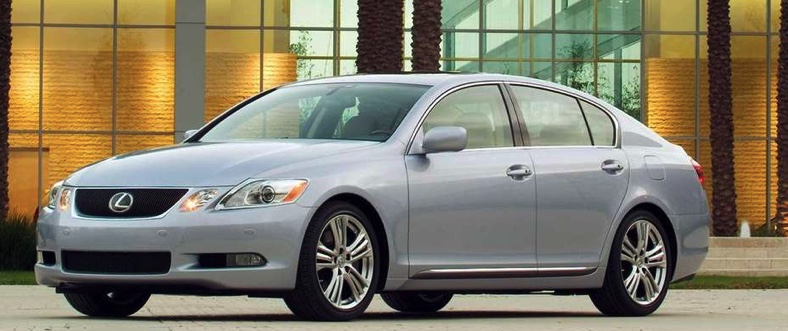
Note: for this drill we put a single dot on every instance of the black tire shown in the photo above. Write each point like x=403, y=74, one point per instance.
x=110, y=304
x=307, y=300
x=416, y=302
x=613, y=299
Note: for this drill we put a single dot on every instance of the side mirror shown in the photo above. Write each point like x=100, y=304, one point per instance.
x=189, y=134
x=445, y=139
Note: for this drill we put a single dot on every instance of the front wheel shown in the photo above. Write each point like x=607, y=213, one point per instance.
x=338, y=268
x=108, y=304
x=639, y=268
x=416, y=302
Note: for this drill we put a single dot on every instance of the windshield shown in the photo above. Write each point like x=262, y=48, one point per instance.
x=357, y=111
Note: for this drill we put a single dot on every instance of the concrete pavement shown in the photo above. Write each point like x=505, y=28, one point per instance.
x=39, y=308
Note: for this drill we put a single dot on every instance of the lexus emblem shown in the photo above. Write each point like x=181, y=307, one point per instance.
x=121, y=202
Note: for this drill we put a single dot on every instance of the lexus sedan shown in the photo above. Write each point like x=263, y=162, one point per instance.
x=413, y=186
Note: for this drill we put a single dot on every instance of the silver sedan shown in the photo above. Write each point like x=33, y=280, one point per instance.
x=416, y=186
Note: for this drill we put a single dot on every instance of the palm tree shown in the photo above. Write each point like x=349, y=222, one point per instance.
x=781, y=219
x=5, y=87
x=426, y=35
x=380, y=34
x=721, y=119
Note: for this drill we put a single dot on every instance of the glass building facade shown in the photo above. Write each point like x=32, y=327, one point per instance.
x=96, y=78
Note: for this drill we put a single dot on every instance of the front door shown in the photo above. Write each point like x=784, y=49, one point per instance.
x=473, y=209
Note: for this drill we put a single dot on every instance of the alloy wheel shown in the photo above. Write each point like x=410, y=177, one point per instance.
x=344, y=261
x=644, y=264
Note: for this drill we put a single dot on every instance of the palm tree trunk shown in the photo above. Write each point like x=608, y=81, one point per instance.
x=721, y=119
x=426, y=35
x=781, y=219
x=5, y=87
x=380, y=32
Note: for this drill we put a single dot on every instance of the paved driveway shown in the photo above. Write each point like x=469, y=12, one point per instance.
x=39, y=308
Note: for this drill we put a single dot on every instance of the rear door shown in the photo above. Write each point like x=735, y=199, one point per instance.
x=582, y=175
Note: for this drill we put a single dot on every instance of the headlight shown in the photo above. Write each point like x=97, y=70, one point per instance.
x=261, y=193
x=52, y=203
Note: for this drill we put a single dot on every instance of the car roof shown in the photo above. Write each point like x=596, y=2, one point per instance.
x=431, y=79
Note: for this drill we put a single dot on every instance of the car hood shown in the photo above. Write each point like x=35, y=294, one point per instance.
x=205, y=164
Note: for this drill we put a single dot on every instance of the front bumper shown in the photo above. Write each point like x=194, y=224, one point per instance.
x=273, y=232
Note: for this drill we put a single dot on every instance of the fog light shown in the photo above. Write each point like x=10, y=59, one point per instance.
x=46, y=258
x=244, y=260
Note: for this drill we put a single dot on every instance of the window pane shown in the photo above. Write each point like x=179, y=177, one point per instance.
x=460, y=14
x=152, y=12
x=618, y=46
x=347, y=67
x=537, y=46
x=461, y=66
x=314, y=68
x=601, y=125
x=501, y=14
x=347, y=43
x=146, y=80
x=502, y=67
x=619, y=84
x=574, y=14
x=619, y=15
x=577, y=75
x=311, y=13
x=89, y=12
x=77, y=79
x=232, y=68
x=502, y=46
x=460, y=45
x=480, y=110
x=313, y=43
x=348, y=17
x=671, y=15
x=574, y=46
x=537, y=15
x=551, y=119
x=232, y=12
x=25, y=11
x=23, y=103
x=540, y=70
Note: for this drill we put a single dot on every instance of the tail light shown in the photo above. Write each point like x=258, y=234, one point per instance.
x=698, y=171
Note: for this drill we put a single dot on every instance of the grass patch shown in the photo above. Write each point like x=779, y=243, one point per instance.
x=732, y=283
x=17, y=278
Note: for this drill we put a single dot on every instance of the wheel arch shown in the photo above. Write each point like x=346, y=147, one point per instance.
x=377, y=222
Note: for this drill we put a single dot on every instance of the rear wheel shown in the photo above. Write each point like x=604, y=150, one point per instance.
x=639, y=268
x=416, y=302
x=108, y=304
x=338, y=268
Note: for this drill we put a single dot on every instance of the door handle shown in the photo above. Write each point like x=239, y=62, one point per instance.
x=518, y=172
x=612, y=166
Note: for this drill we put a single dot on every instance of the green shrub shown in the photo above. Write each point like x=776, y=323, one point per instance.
x=17, y=243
